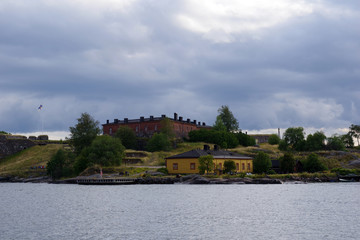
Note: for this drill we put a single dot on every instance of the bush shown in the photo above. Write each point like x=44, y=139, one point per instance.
x=262, y=163
x=229, y=166
x=313, y=164
x=158, y=142
x=287, y=163
x=274, y=139
x=221, y=138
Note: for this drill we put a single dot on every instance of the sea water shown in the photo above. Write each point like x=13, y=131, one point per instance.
x=287, y=211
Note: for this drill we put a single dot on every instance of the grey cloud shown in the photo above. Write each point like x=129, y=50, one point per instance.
x=141, y=62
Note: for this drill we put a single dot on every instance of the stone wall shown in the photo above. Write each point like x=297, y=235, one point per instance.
x=11, y=146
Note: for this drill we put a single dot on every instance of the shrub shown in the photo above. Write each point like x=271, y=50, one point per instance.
x=313, y=164
x=262, y=163
x=274, y=139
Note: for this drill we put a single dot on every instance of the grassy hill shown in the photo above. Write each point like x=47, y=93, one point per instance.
x=23, y=164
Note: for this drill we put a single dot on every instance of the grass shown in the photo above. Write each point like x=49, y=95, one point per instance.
x=20, y=164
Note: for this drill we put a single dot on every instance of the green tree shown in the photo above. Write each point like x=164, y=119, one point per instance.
x=355, y=132
x=245, y=140
x=206, y=164
x=335, y=143
x=262, y=163
x=219, y=125
x=158, y=142
x=274, y=139
x=167, y=128
x=229, y=166
x=127, y=137
x=315, y=141
x=295, y=138
x=287, y=163
x=228, y=119
x=104, y=150
x=84, y=132
x=55, y=165
x=313, y=164
x=348, y=140
x=6, y=133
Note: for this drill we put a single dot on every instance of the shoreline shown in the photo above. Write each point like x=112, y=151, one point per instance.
x=188, y=179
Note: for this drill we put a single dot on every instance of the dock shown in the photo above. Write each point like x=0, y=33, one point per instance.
x=105, y=181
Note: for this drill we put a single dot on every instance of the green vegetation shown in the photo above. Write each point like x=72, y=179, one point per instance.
x=158, y=142
x=262, y=163
x=274, y=139
x=228, y=119
x=313, y=164
x=229, y=166
x=127, y=137
x=84, y=132
x=206, y=164
x=287, y=163
x=29, y=161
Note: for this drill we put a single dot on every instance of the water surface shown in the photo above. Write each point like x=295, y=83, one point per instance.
x=288, y=211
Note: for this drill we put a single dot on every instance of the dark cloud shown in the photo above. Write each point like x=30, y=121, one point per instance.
x=143, y=58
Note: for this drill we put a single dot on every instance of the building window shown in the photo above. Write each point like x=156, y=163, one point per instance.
x=192, y=166
x=110, y=131
x=155, y=127
x=249, y=166
x=137, y=129
x=237, y=167
x=220, y=166
x=175, y=166
x=243, y=166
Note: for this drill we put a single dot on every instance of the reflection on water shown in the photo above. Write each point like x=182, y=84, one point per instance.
x=288, y=211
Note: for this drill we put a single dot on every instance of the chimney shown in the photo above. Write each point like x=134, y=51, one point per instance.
x=163, y=116
x=180, y=119
x=279, y=133
x=194, y=122
x=175, y=117
x=107, y=121
x=204, y=124
x=141, y=119
x=126, y=120
x=188, y=120
x=151, y=118
x=199, y=123
x=116, y=120
x=206, y=147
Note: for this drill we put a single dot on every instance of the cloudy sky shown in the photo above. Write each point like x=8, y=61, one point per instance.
x=276, y=64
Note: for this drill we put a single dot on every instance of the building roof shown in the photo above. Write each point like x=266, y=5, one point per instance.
x=196, y=153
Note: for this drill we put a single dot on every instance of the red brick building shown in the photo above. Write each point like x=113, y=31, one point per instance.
x=146, y=127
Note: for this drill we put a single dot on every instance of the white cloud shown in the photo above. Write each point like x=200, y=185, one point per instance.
x=218, y=20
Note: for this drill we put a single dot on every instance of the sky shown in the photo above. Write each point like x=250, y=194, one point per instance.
x=276, y=64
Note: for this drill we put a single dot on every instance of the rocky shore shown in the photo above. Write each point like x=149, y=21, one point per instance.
x=187, y=179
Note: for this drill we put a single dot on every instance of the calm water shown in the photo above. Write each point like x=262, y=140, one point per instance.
x=288, y=211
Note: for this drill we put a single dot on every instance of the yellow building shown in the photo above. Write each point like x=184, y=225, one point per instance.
x=187, y=162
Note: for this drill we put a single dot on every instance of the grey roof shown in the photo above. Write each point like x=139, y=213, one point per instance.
x=196, y=153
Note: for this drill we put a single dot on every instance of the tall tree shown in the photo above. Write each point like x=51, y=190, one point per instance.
x=295, y=138
x=84, y=132
x=228, y=119
x=355, y=132
x=219, y=124
x=315, y=141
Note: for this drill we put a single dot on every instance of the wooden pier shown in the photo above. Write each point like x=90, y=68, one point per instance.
x=105, y=181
